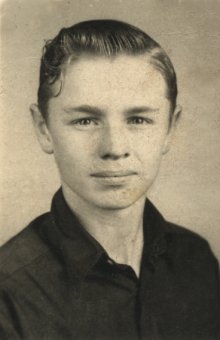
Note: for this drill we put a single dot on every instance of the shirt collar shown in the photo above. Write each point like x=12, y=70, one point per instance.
x=155, y=234
x=80, y=251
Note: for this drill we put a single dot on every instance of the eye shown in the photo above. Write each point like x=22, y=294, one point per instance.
x=85, y=122
x=140, y=120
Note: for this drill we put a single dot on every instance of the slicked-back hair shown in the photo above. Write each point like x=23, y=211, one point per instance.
x=104, y=38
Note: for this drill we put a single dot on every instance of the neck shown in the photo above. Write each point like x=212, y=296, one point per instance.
x=119, y=231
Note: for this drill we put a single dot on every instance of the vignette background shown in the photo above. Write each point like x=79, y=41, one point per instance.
x=187, y=190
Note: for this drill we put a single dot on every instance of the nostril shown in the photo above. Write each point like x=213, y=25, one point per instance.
x=110, y=156
x=115, y=156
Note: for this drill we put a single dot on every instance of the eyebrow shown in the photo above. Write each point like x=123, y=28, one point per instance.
x=141, y=109
x=96, y=111
x=84, y=109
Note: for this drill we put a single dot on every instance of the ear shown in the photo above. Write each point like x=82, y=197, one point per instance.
x=41, y=129
x=172, y=127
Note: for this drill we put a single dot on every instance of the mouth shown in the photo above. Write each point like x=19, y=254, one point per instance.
x=113, y=174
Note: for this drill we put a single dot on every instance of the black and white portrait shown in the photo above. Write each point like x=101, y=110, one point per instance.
x=110, y=162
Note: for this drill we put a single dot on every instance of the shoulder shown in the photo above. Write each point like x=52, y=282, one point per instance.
x=24, y=249
x=189, y=249
x=181, y=243
x=184, y=235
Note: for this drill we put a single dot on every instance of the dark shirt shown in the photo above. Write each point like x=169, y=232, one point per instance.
x=57, y=282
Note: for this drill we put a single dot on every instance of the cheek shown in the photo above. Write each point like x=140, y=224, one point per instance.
x=151, y=160
x=150, y=153
x=79, y=149
x=150, y=143
x=71, y=156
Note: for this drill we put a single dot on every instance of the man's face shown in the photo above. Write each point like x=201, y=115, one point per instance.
x=108, y=129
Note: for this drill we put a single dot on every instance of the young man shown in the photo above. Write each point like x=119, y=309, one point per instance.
x=103, y=263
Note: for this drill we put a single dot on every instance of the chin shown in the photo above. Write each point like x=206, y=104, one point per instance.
x=115, y=206
x=117, y=203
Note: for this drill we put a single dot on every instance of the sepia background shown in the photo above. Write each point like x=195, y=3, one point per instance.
x=187, y=190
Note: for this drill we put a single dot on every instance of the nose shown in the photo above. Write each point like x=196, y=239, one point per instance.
x=114, y=143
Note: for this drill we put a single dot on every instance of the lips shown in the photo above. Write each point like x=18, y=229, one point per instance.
x=110, y=174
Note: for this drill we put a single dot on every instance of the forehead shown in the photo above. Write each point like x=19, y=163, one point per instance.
x=112, y=80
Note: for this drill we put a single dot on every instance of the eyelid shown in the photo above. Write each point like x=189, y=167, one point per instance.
x=78, y=120
x=145, y=119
